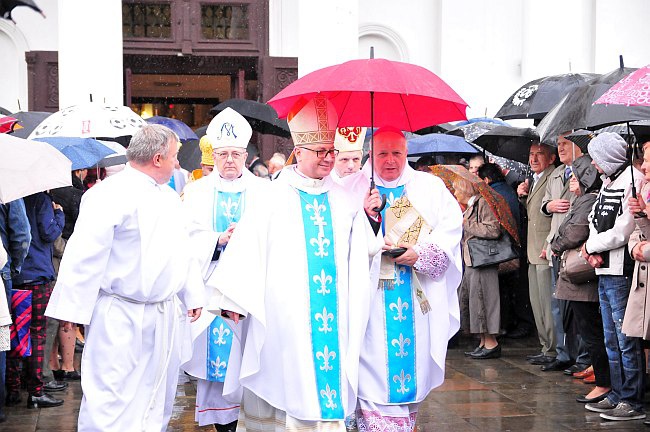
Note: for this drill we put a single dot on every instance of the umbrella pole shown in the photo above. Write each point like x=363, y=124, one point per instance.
x=372, y=152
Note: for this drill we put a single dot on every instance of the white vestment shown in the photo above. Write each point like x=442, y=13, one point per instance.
x=202, y=207
x=265, y=275
x=441, y=212
x=125, y=269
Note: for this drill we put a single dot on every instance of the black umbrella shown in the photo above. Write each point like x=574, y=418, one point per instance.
x=503, y=140
x=29, y=120
x=577, y=111
x=7, y=6
x=5, y=112
x=582, y=137
x=641, y=131
x=262, y=117
x=535, y=98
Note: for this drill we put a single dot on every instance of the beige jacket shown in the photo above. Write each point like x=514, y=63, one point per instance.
x=539, y=224
x=479, y=221
x=555, y=189
x=637, y=313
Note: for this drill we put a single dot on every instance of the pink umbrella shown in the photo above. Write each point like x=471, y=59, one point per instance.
x=633, y=90
x=406, y=96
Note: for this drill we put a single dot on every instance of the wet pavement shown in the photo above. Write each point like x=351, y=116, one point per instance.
x=505, y=394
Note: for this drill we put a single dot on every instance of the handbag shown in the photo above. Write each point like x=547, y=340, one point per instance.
x=487, y=252
x=576, y=269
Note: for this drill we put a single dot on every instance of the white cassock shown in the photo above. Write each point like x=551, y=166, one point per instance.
x=209, y=201
x=125, y=272
x=380, y=384
x=297, y=264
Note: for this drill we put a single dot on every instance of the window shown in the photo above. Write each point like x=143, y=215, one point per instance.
x=146, y=20
x=220, y=21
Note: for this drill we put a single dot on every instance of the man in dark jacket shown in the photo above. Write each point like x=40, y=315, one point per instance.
x=69, y=198
x=46, y=220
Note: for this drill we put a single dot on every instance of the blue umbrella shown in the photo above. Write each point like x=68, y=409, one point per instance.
x=438, y=143
x=182, y=130
x=83, y=152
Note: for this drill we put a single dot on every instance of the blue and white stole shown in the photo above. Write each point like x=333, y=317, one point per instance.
x=227, y=208
x=323, y=302
x=400, y=323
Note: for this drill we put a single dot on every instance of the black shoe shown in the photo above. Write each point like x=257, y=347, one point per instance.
x=13, y=399
x=485, y=353
x=230, y=427
x=535, y=356
x=647, y=422
x=518, y=333
x=71, y=375
x=55, y=386
x=543, y=360
x=43, y=401
x=575, y=368
x=556, y=366
x=58, y=374
x=477, y=349
x=596, y=399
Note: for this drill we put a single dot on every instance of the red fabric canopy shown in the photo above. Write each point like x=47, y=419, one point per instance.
x=406, y=96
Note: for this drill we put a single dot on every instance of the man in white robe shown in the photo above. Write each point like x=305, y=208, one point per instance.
x=297, y=268
x=403, y=354
x=214, y=204
x=125, y=272
x=349, y=142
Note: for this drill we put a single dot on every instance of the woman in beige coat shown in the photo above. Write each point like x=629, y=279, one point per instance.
x=479, y=289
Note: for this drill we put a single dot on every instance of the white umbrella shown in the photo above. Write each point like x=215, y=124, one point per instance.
x=27, y=167
x=90, y=120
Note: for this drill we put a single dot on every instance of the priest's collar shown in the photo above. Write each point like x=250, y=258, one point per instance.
x=307, y=184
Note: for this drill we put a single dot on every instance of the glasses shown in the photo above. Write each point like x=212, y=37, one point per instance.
x=225, y=155
x=322, y=154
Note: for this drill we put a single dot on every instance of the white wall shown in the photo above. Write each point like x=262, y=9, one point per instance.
x=90, y=55
x=283, y=28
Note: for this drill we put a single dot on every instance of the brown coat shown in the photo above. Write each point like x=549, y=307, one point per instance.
x=539, y=225
x=479, y=221
x=637, y=321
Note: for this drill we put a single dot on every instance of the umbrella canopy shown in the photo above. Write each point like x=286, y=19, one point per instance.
x=28, y=167
x=183, y=131
x=7, y=7
x=405, y=96
x=8, y=124
x=90, y=120
x=535, y=98
x=438, y=143
x=502, y=140
x=641, y=131
x=582, y=137
x=262, y=117
x=449, y=173
x=633, y=90
x=117, y=158
x=577, y=109
x=82, y=152
x=29, y=120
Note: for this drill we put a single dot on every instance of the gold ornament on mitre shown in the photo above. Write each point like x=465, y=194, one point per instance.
x=349, y=138
x=206, y=151
x=403, y=225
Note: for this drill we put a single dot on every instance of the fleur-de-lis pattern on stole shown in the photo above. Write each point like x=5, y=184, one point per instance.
x=227, y=208
x=400, y=325
x=323, y=302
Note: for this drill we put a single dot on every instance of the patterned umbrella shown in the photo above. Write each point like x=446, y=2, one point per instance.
x=8, y=124
x=448, y=173
x=633, y=90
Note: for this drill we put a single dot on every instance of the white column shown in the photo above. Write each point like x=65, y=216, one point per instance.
x=328, y=33
x=90, y=51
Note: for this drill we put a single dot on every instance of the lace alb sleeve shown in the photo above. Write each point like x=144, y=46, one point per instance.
x=432, y=261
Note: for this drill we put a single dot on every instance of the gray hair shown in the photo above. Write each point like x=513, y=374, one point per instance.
x=149, y=141
x=278, y=158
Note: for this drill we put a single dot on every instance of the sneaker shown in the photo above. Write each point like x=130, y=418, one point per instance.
x=623, y=411
x=601, y=407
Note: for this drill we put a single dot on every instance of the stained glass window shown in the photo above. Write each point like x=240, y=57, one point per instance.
x=220, y=21
x=146, y=20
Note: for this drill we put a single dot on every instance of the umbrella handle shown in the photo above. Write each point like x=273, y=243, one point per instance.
x=383, y=198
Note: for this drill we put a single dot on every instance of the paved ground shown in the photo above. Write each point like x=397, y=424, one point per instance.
x=505, y=394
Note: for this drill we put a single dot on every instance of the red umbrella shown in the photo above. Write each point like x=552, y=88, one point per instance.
x=633, y=90
x=8, y=124
x=406, y=96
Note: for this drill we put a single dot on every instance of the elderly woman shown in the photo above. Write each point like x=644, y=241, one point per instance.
x=479, y=289
x=583, y=297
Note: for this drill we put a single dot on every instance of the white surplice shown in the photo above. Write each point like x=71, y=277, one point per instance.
x=125, y=272
x=441, y=212
x=200, y=202
x=265, y=275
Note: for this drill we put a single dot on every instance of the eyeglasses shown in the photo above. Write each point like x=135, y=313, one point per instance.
x=225, y=155
x=322, y=154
